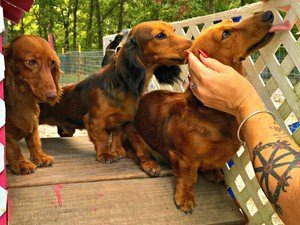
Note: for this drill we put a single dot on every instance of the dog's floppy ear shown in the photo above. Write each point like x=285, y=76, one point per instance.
x=56, y=74
x=168, y=74
x=131, y=67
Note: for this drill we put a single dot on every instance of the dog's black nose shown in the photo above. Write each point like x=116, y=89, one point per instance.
x=51, y=95
x=268, y=17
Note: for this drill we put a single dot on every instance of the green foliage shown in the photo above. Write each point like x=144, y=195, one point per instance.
x=57, y=17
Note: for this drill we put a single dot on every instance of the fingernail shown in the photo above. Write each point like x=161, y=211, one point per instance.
x=187, y=56
x=203, y=53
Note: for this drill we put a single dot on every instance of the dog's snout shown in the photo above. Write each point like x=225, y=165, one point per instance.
x=51, y=95
x=268, y=17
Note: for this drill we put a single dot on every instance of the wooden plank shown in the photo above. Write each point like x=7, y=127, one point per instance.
x=136, y=201
x=271, y=86
x=287, y=65
x=245, y=10
x=74, y=161
x=284, y=110
x=80, y=168
x=66, y=146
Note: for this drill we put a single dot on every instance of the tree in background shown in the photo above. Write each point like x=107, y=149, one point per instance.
x=85, y=22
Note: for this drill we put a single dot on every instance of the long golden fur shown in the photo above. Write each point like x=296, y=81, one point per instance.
x=31, y=76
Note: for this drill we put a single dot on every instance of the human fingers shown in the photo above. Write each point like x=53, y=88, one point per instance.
x=213, y=64
x=196, y=67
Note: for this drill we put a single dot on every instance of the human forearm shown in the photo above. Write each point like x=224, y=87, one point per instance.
x=275, y=158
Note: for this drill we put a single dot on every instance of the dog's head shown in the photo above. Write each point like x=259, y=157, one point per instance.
x=159, y=44
x=31, y=60
x=151, y=46
x=231, y=43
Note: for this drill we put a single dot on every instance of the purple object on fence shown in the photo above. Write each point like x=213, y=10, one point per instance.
x=294, y=126
x=230, y=192
x=236, y=19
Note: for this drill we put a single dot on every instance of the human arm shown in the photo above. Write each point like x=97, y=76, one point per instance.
x=275, y=156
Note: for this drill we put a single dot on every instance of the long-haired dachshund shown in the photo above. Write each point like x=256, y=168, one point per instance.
x=180, y=128
x=104, y=103
x=31, y=76
x=112, y=48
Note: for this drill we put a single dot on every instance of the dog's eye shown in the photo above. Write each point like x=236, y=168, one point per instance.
x=160, y=36
x=53, y=63
x=226, y=34
x=31, y=62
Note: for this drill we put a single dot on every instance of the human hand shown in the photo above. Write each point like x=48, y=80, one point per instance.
x=220, y=87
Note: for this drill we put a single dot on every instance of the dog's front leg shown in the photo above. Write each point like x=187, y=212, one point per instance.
x=116, y=145
x=187, y=174
x=37, y=155
x=17, y=162
x=95, y=125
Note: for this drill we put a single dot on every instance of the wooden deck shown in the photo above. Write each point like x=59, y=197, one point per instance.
x=80, y=190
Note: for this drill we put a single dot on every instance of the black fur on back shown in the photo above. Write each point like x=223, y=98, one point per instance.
x=168, y=74
x=126, y=73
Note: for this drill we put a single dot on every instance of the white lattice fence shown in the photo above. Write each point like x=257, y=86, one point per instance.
x=239, y=172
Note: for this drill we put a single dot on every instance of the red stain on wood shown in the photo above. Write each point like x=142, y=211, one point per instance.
x=100, y=194
x=57, y=191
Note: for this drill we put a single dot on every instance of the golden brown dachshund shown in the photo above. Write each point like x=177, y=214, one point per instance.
x=106, y=102
x=180, y=128
x=31, y=76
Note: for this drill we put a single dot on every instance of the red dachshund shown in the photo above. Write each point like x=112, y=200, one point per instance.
x=180, y=128
x=31, y=76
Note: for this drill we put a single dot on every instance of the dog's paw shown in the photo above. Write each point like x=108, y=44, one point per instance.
x=107, y=157
x=121, y=153
x=214, y=175
x=22, y=167
x=185, y=202
x=151, y=168
x=42, y=160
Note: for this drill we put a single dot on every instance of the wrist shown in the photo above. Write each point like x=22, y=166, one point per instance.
x=248, y=106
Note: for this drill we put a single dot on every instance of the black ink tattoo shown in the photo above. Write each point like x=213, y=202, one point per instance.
x=268, y=166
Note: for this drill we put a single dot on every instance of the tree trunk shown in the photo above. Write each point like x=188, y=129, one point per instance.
x=66, y=23
x=211, y=6
x=75, y=24
x=99, y=23
x=90, y=25
x=121, y=12
x=51, y=24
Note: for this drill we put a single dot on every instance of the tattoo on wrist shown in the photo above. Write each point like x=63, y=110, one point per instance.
x=280, y=134
x=267, y=169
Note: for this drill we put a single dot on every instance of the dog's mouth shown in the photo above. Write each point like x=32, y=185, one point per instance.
x=178, y=61
x=265, y=40
x=268, y=36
